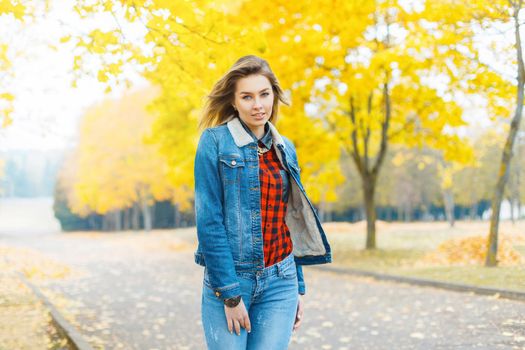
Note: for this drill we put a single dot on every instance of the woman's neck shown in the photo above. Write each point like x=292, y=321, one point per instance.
x=258, y=132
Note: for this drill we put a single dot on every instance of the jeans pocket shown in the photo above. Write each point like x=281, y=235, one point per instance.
x=288, y=272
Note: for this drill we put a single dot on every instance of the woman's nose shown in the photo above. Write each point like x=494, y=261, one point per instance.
x=257, y=103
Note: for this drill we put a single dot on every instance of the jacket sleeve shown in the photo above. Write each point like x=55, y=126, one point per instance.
x=300, y=279
x=300, y=275
x=209, y=215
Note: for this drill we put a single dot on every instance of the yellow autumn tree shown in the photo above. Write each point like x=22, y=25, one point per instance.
x=16, y=10
x=114, y=168
x=189, y=45
x=370, y=76
x=365, y=66
x=13, y=12
x=489, y=79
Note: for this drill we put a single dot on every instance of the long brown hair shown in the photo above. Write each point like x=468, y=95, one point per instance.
x=219, y=109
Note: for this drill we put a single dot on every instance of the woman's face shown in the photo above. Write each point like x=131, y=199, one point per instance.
x=254, y=101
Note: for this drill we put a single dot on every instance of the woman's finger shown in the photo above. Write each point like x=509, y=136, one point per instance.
x=298, y=321
x=237, y=327
x=297, y=324
x=230, y=324
x=247, y=324
x=298, y=315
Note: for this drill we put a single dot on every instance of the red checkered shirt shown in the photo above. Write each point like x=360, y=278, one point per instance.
x=276, y=236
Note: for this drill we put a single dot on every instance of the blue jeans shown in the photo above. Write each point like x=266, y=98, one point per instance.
x=270, y=297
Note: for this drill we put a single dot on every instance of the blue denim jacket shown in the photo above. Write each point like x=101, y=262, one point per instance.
x=228, y=209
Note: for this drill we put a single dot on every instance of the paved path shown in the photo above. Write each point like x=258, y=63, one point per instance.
x=143, y=292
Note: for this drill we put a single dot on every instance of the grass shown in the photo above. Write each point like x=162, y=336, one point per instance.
x=402, y=246
x=25, y=323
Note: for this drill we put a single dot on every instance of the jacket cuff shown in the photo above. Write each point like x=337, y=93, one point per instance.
x=300, y=280
x=228, y=291
x=302, y=288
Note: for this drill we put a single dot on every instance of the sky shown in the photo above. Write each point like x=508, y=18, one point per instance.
x=48, y=109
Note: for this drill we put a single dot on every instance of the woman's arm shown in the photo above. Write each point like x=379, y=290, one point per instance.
x=210, y=221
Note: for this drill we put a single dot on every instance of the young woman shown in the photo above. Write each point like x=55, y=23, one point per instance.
x=255, y=224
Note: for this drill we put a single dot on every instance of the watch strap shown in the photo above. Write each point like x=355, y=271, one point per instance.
x=232, y=302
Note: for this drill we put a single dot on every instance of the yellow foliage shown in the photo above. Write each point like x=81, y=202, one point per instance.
x=335, y=55
x=13, y=7
x=472, y=251
x=113, y=167
x=31, y=263
x=6, y=98
x=20, y=10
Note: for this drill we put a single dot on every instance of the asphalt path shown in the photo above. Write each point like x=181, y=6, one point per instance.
x=143, y=291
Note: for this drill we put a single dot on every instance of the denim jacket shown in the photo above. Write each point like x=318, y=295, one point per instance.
x=228, y=210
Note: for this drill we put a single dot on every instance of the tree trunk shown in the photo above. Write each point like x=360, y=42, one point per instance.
x=511, y=204
x=92, y=222
x=389, y=214
x=517, y=194
x=503, y=174
x=426, y=212
x=117, y=220
x=329, y=214
x=473, y=211
x=146, y=213
x=369, y=190
x=135, y=217
x=176, y=215
x=126, y=225
x=322, y=210
x=448, y=200
x=408, y=211
x=368, y=171
x=105, y=223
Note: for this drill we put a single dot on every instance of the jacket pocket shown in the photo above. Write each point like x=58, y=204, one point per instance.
x=231, y=167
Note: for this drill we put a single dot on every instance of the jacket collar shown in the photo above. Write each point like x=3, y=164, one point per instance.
x=242, y=138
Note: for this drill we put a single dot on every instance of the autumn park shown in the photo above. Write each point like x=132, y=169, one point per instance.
x=406, y=116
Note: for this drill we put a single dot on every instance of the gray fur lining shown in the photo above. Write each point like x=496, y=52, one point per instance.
x=242, y=138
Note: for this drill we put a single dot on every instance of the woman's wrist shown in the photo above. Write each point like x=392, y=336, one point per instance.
x=232, y=302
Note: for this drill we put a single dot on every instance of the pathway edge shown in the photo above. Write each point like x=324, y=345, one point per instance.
x=457, y=287
x=65, y=328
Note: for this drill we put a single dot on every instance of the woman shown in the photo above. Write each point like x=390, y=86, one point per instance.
x=255, y=224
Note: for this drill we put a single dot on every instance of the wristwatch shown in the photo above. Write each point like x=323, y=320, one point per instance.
x=232, y=302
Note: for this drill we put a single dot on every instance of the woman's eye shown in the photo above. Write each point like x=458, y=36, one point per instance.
x=245, y=97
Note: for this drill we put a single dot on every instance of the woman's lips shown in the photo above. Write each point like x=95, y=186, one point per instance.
x=259, y=116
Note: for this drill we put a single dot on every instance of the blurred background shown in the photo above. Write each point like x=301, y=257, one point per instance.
x=405, y=115
x=398, y=107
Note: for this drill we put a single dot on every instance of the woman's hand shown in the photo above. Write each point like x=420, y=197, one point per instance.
x=237, y=317
x=299, y=314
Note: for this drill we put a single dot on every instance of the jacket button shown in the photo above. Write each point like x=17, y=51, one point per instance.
x=217, y=293
x=234, y=162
